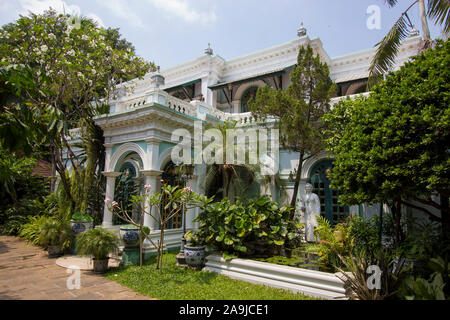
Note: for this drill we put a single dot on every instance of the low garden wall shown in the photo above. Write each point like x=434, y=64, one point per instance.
x=309, y=282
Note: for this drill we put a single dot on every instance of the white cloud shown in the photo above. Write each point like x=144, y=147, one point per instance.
x=121, y=9
x=96, y=18
x=184, y=10
x=39, y=6
x=61, y=6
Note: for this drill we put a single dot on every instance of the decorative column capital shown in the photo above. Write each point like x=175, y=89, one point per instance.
x=153, y=140
x=151, y=173
x=111, y=174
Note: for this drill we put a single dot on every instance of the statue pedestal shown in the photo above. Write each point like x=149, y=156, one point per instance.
x=130, y=257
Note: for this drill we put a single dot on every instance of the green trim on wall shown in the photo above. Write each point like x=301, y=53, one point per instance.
x=142, y=144
x=114, y=149
x=164, y=145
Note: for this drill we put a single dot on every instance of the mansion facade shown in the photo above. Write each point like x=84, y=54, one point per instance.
x=145, y=113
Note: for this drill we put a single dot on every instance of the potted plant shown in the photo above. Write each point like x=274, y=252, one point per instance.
x=194, y=250
x=81, y=222
x=56, y=236
x=99, y=243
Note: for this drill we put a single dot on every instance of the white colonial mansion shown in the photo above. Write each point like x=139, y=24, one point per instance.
x=141, y=121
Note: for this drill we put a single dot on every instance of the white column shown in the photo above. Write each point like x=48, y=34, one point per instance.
x=110, y=185
x=199, y=187
x=151, y=178
x=191, y=214
x=152, y=154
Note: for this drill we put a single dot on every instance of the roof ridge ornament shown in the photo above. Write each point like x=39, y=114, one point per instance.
x=157, y=79
x=209, y=51
x=302, y=31
x=414, y=32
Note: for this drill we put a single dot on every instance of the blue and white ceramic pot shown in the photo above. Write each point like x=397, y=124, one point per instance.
x=79, y=226
x=129, y=235
x=195, y=256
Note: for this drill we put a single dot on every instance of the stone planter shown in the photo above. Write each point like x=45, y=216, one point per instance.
x=129, y=235
x=80, y=226
x=54, y=251
x=195, y=256
x=100, y=266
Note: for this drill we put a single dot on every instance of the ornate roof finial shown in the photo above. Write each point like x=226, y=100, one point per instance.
x=414, y=32
x=302, y=31
x=208, y=50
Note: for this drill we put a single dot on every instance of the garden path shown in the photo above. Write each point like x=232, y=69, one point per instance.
x=26, y=273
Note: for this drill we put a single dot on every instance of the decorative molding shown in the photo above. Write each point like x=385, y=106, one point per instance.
x=122, y=150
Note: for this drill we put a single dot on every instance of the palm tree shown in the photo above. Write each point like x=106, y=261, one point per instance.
x=384, y=59
x=232, y=174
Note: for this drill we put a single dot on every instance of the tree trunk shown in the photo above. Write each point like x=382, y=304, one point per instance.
x=297, y=179
x=424, y=20
x=397, y=215
x=445, y=216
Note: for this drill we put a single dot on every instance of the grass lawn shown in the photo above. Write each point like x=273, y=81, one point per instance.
x=178, y=283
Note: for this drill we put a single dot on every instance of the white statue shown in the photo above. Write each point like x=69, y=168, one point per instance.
x=310, y=206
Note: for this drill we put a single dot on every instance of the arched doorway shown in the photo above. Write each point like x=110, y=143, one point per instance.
x=171, y=177
x=329, y=205
x=127, y=185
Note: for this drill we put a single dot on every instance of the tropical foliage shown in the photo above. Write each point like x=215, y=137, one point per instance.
x=97, y=242
x=246, y=227
x=55, y=232
x=161, y=207
x=384, y=59
x=65, y=72
x=392, y=147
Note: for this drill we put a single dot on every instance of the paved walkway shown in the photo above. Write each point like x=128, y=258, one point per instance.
x=26, y=273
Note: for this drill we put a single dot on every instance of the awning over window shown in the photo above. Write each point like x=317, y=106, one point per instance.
x=261, y=76
x=184, y=85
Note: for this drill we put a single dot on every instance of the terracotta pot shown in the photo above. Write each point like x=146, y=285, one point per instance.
x=100, y=266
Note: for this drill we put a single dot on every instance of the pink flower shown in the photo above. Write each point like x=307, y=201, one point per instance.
x=107, y=200
x=147, y=187
x=115, y=204
x=187, y=189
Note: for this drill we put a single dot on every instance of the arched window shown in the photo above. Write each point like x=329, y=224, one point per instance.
x=331, y=209
x=250, y=93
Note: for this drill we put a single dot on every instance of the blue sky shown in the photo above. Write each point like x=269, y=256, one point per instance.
x=171, y=32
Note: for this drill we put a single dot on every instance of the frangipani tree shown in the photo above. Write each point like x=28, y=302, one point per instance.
x=161, y=207
x=73, y=70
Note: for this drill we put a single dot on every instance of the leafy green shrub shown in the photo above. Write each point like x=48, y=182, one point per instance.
x=333, y=242
x=365, y=235
x=31, y=230
x=55, y=232
x=354, y=274
x=18, y=214
x=82, y=217
x=97, y=242
x=435, y=288
x=247, y=227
